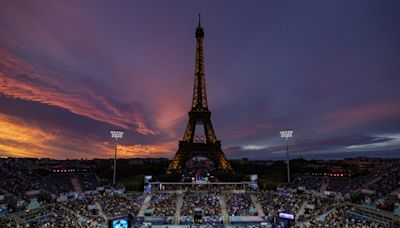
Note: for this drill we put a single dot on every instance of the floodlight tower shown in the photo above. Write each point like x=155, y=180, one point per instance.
x=117, y=135
x=286, y=134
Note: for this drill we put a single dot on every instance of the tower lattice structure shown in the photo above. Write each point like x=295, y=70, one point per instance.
x=192, y=145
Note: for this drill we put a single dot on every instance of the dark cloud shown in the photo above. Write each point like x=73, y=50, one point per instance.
x=308, y=147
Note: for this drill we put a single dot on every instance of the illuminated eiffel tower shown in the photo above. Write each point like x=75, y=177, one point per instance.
x=199, y=139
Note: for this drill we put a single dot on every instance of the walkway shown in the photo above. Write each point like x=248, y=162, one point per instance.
x=373, y=181
x=179, y=204
x=301, y=209
x=257, y=205
x=101, y=212
x=76, y=185
x=145, y=205
x=224, y=210
x=323, y=187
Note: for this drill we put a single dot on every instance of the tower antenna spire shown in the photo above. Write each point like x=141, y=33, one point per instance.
x=199, y=20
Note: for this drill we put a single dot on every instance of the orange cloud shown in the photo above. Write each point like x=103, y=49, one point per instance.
x=138, y=150
x=20, y=138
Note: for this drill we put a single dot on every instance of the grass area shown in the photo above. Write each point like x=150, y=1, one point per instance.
x=271, y=182
x=134, y=183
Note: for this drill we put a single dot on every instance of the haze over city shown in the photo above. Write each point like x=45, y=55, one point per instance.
x=72, y=71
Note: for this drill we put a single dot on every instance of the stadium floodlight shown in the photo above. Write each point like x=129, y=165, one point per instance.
x=286, y=134
x=117, y=135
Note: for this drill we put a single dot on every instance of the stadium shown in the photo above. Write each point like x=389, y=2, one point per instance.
x=201, y=186
x=77, y=197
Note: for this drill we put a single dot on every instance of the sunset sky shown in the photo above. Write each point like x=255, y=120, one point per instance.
x=71, y=71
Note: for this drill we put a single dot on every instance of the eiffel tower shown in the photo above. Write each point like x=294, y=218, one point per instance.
x=204, y=144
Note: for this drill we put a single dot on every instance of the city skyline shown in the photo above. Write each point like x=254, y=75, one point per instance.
x=70, y=72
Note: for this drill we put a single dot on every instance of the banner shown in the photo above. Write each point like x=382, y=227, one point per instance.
x=147, y=183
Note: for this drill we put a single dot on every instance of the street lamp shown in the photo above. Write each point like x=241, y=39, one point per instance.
x=286, y=134
x=117, y=135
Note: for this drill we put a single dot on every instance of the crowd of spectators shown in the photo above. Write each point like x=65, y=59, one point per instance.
x=320, y=205
x=88, y=181
x=120, y=204
x=388, y=183
x=186, y=220
x=206, y=201
x=18, y=180
x=163, y=204
x=8, y=222
x=337, y=217
x=310, y=183
x=303, y=206
x=79, y=212
x=272, y=203
x=85, y=207
x=338, y=185
x=240, y=204
x=60, y=216
x=311, y=208
x=15, y=186
x=50, y=216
